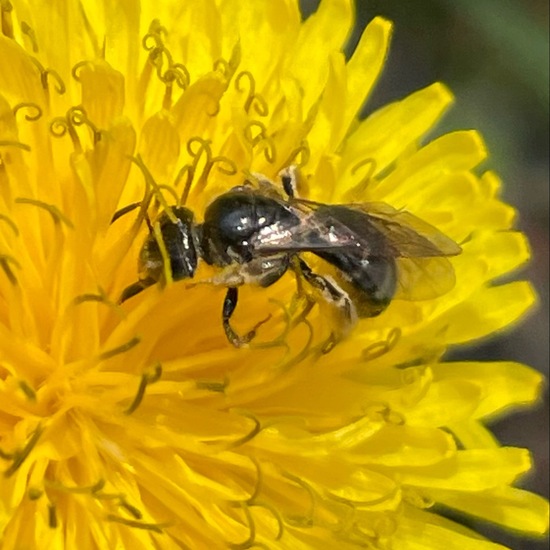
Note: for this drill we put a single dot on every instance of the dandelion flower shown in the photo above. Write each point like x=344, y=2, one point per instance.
x=139, y=425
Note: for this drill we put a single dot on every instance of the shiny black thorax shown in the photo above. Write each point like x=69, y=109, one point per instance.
x=240, y=220
x=369, y=272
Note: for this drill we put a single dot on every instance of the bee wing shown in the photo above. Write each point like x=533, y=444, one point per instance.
x=309, y=236
x=424, y=271
x=424, y=278
x=409, y=236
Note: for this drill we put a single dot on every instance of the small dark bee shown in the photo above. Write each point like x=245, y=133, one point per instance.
x=255, y=235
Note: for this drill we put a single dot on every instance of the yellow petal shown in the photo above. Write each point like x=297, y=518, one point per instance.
x=472, y=434
x=424, y=531
x=488, y=311
x=18, y=75
x=388, y=132
x=506, y=506
x=471, y=470
x=325, y=31
x=365, y=65
x=102, y=92
x=501, y=385
x=454, y=152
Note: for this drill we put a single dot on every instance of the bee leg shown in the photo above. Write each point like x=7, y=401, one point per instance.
x=333, y=294
x=229, y=305
x=126, y=210
x=330, y=290
x=135, y=288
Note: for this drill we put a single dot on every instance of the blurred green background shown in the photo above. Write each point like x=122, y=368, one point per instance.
x=494, y=55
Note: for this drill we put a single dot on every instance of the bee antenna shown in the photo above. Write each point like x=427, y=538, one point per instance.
x=287, y=186
x=289, y=180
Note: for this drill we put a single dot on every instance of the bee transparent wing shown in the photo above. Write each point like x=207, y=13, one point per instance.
x=407, y=235
x=410, y=236
x=424, y=278
x=424, y=271
x=421, y=250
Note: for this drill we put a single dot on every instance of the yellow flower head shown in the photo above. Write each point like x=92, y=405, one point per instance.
x=138, y=425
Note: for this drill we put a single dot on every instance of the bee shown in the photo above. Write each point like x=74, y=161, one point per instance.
x=254, y=234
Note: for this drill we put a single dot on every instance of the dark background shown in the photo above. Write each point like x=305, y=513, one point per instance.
x=493, y=54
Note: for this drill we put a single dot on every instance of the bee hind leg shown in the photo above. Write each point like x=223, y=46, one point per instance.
x=333, y=294
x=135, y=288
x=229, y=305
